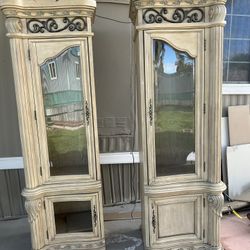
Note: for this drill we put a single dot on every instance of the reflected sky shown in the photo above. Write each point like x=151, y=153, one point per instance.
x=170, y=60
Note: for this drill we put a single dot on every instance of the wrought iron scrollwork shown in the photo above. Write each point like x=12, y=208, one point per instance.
x=87, y=113
x=52, y=25
x=95, y=216
x=179, y=15
x=150, y=112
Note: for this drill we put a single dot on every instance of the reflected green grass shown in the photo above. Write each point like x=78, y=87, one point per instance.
x=175, y=119
x=174, y=139
x=62, y=140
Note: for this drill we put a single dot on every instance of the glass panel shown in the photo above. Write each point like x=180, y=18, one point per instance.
x=239, y=72
x=240, y=28
x=63, y=105
x=227, y=27
x=241, y=7
x=240, y=51
x=225, y=72
x=229, y=6
x=237, y=49
x=226, y=50
x=73, y=217
x=174, y=110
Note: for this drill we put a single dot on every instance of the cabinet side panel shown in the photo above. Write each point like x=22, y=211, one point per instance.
x=25, y=107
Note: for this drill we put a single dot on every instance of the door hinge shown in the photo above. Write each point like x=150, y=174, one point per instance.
x=204, y=166
x=204, y=108
x=35, y=115
x=41, y=171
x=29, y=54
x=204, y=233
x=205, y=44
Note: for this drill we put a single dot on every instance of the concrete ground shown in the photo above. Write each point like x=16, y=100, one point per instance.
x=126, y=235
x=123, y=234
x=235, y=232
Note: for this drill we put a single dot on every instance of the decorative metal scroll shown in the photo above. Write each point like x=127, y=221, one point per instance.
x=153, y=221
x=95, y=216
x=194, y=15
x=87, y=112
x=150, y=112
x=52, y=25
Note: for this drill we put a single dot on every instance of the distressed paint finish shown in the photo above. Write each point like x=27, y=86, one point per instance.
x=201, y=192
x=74, y=20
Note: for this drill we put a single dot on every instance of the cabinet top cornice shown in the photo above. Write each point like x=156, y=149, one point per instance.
x=201, y=10
x=176, y=3
x=28, y=8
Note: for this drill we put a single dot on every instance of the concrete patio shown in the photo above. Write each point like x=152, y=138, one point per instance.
x=126, y=235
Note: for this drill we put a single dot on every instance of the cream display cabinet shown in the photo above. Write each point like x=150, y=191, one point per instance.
x=51, y=47
x=179, y=46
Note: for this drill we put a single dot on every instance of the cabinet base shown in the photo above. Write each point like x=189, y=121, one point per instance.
x=97, y=245
x=200, y=247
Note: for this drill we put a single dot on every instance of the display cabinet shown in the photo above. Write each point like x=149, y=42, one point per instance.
x=178, y=55
x=51, y=47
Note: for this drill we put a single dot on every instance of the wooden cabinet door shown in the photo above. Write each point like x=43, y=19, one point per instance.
x=64, y=109
x=73, y=218
x=175, y=220
x=174, y=102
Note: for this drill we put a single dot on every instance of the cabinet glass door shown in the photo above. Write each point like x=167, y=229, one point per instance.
x=73, y=217
x=174, y=100
x=174, y=112
x=62, y=91
x=63, y=99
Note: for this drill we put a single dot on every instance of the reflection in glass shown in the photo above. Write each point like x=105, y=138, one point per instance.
x=239, y=27
x=227, y=27
x=239, y=51
x=73, y=217
x=174, y=110
x=241, y=7
x=63, y=105
x=239, y=72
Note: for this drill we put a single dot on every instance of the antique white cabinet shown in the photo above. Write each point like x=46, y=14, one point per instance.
x=51, y=47
x=178, y=47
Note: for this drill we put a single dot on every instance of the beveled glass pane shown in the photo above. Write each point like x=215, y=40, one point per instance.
x=64, y=113
x=73, y=217
x=174, y=90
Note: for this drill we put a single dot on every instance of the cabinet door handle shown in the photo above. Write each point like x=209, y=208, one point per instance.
x=153, y=221
x=95, y=216
x=87, y=113
x=150, y=112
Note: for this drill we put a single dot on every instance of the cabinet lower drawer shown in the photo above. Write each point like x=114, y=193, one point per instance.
x=176, y=220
